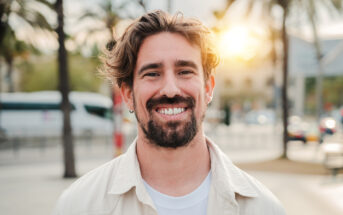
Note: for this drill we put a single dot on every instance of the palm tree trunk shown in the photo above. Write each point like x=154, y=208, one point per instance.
x=3, y=23
x=274, y=65
x=9, y=63
x=68, y=149
x=319, y=77
x=285, y=84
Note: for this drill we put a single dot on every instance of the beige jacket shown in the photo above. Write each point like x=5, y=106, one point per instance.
x=116, y=188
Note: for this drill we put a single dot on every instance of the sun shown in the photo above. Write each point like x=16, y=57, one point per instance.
x=238, y=42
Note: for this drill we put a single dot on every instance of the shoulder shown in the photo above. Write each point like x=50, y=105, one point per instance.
x=265, y=200
x=251, y=194
x=89, y=191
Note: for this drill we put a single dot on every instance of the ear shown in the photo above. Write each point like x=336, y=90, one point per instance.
x=209, y=87
x=126, y=93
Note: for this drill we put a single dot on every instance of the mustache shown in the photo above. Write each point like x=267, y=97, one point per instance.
x=151, y=103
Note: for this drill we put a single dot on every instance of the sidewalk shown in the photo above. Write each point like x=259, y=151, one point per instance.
x=302, y=184
x=32, y=187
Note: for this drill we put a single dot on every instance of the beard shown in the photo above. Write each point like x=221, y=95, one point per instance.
x=172, y=134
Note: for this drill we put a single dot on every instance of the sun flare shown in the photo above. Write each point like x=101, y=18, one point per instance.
x=238, y=42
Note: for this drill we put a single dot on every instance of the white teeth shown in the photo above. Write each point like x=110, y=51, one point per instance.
x=171, y=111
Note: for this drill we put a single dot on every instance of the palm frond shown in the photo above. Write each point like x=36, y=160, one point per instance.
x=32, y=17
x=333, y=7
x=89, y=14
x=142, y=4
x=250, y=8
x=41, y=21
x=338, y=4
x=219, y=14
x=46, y=3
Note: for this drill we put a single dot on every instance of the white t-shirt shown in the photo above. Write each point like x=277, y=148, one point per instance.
x=192, y=203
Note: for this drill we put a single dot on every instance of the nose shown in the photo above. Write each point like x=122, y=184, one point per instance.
x=170, y=87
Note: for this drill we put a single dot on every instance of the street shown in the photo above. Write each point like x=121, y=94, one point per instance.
x=31, y=178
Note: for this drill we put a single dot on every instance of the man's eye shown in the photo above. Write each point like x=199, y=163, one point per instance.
x=151, y=74
x=186, y=72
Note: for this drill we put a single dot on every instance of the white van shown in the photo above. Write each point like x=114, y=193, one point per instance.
x=38, y=114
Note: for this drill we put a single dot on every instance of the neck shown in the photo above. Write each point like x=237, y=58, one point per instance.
x=174, y=172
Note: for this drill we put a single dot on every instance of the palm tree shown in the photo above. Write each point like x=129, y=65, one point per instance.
x=286, y=6
x=110, y=12
x=267, y=5
x=68, y=147
x=37, y=20
x=10, y=46
x=333, y=6
x=21, y=10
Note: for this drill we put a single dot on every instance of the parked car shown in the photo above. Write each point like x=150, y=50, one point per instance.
x=296, y=129
x=328, y=125
x=312, y=133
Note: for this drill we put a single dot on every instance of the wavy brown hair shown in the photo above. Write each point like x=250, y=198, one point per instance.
x=121, y=55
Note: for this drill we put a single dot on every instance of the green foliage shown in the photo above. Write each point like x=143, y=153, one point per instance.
x=11, y=47
x=332, y=92
x=41, y=74
x=38, y=75
x=84, y=74
x=310, y=101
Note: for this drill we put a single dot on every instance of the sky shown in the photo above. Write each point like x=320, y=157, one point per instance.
x=73, y=26
x=200, y=9
x=203, y=10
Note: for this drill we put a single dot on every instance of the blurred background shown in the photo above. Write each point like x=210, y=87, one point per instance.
x=277, y=110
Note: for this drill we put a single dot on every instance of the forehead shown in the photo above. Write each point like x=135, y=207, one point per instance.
x=167, y=47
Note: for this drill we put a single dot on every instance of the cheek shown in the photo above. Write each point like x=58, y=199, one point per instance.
x=199, y=94
x=143, y=93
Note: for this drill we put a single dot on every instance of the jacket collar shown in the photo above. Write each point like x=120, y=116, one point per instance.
x=128, y=176
x=226, y=177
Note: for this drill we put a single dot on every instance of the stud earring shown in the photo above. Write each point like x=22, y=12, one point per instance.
x=209, y=100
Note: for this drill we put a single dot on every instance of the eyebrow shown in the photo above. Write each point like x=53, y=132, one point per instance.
x=150, y=66
x=178, y=63
x=186, y=63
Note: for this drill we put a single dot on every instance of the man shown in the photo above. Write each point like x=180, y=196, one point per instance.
x=163, y=66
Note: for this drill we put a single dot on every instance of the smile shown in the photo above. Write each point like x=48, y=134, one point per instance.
x=171, y=111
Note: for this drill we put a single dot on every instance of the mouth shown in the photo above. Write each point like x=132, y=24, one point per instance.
x=170, y=111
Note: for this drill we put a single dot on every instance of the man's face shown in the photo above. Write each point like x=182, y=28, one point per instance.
x=169, y=93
